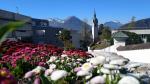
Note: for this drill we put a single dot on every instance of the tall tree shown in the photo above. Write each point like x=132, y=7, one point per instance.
x=132, y=23
x=65, y=36
x=101, y=27
x=106, y=34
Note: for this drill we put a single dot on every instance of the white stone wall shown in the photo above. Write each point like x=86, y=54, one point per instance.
x=119, y=43
x=142, y=55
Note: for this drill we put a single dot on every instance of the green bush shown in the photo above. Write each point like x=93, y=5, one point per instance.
x=133, y=38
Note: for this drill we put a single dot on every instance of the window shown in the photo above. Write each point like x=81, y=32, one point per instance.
x=40, y=32
x=33, y=24
x=43, y=24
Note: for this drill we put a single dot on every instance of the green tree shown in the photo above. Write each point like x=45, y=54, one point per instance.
x=101, y=27
x=133, y=38
x=105, y=34
x=65, y=36
x=132, y=23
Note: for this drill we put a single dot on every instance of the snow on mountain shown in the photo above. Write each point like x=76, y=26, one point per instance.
x=113, y=24
x=56, y=22
x=71, y=22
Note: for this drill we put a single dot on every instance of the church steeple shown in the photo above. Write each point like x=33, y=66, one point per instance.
x=94, y=14
x=95, y=20
x=95, y=27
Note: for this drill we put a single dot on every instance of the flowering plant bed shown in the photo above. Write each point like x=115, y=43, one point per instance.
x=21, y=57
x=47, y=64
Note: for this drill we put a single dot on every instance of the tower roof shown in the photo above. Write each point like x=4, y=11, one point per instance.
x=95, y=20
x=94, y=14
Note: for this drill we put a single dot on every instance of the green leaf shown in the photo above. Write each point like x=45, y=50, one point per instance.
x=17, y=71
x=108, y=81
x=4, y=30
x=44, y=80
x=117, y=78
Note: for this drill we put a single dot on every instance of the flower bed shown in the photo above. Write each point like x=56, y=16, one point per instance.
x=33, y=54
x=48, y=64
x=21, y=57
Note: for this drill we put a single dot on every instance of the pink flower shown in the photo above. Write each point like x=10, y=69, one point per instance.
x=41, y=63
x=37, y=80
x=77, y=69
x=48, y=72
x=29, y=74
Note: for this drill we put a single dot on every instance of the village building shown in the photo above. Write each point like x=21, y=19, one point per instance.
x=34, y=30
x=144, y=33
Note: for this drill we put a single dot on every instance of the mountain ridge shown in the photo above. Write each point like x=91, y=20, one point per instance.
x=71, y=22
x=113, y=24
x=143, y=23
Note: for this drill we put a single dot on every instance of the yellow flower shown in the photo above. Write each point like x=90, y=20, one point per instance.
x=87, y=67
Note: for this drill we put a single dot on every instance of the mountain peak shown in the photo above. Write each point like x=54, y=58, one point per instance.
x=72, y=17
x=113, y=24
x=115, y=21
x=71, y=22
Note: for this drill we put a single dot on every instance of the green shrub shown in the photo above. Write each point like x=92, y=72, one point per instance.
x=133, y=38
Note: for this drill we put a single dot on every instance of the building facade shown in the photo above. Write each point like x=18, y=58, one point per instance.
x=34, y=30
x=43, y=33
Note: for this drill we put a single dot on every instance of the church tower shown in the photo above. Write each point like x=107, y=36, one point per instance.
x=95, y=28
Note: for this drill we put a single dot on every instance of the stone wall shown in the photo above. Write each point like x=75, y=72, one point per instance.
x=141, y=55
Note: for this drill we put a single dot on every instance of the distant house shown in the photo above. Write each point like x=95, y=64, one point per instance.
x=119, y=38
x=43, y=33
x=144, y=33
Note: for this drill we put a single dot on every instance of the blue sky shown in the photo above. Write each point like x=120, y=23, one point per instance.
x=107, y=10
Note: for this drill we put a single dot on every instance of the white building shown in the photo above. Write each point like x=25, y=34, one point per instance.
x=119, y=38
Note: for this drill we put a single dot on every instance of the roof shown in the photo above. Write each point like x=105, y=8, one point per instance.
x=134, y=47
x=134, y=28
x=35, y=19
x=119, y=34
x=47, y=27
x=7, y=15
